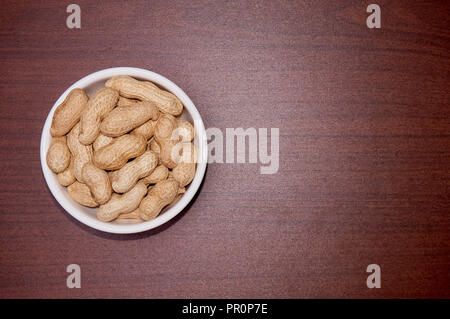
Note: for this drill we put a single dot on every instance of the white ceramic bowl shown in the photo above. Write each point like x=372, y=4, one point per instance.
x=86, y=215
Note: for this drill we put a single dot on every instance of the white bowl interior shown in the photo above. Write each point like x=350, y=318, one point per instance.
x=91, y=84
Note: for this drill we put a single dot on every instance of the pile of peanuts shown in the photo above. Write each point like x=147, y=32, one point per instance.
x=123, y=150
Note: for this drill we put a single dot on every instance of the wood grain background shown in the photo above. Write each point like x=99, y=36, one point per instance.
x=364, y=118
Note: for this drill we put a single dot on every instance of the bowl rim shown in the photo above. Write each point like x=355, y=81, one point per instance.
x=200, y=131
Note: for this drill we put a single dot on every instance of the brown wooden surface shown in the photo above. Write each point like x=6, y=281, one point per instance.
x=364, y=120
